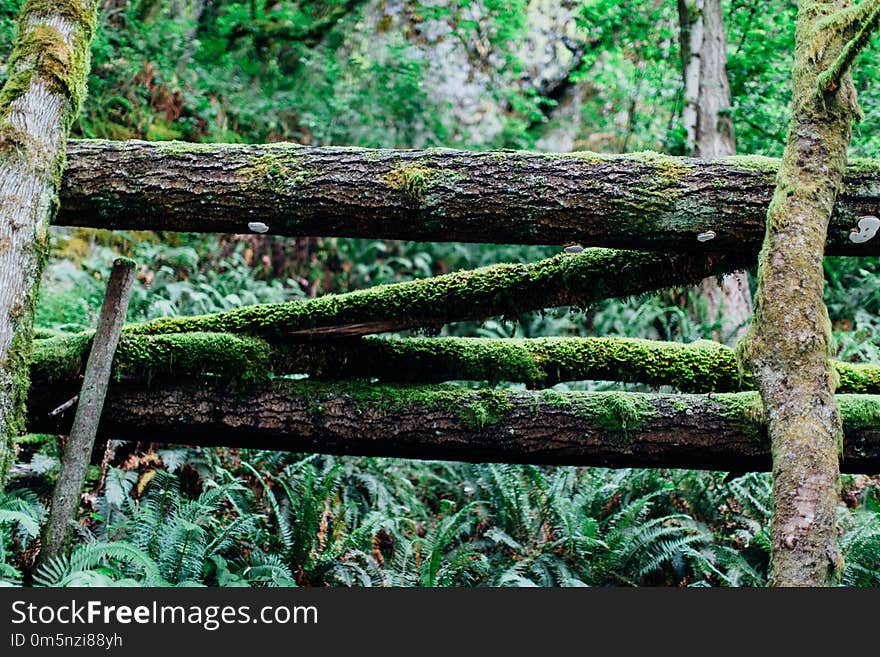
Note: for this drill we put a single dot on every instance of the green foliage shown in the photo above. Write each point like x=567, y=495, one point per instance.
x=20, y=516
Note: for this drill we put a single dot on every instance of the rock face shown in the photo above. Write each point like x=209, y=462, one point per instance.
x=484, y=74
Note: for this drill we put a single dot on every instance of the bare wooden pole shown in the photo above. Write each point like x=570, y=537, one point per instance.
x=65, y=498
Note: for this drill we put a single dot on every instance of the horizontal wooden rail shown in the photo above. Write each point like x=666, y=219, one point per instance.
x=638, y=201
x=506, y=290
x=700, y=367
x=723, y=432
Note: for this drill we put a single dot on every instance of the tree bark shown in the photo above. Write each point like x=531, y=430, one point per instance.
x=75, y=461
x=723, y=431
x=46, y=81
x=500, y=290
x=709, y=127
x=702, y=367
x=691, y=24
x=789, y=345
x=640, y=201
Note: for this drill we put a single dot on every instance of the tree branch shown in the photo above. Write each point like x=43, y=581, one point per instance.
x=864, y=21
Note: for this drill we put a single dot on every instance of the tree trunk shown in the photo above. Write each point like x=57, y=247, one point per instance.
x=46, y=82
x=723, y=431
x=789, y=345
x=709, y=126
x=639, y=201
x=703, y=367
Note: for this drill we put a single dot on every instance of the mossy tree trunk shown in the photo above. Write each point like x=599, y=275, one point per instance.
x=47, y=77
x=788, y=348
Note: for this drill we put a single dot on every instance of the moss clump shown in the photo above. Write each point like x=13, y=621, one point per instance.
x=14, y=385
x=41, y=50
x=32, y=440
x=858, y=378
x=236, y=359
x=755, y=163
x=82, y=13
x=274, y=172
x=478, y=409
x=860, y=411
x=617, y=411
x=747, y=410
x=485, y=409
x=414, y=180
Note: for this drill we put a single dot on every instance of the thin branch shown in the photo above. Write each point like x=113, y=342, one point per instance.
x=829, y=80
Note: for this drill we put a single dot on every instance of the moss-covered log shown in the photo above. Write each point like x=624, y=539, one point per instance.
x=724, y=432
x=500, y=290
x=45, y=83
x=788, y=347
x=637, y=201
x=539, y=363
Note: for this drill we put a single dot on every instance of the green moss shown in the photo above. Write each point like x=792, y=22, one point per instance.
x=174, y=147
x=616, y=411
x=756, y=163
x=35, y=440
x=41, y=50
x=745, y=409
x=485, y=409
x=14, y=383
x=82, y=13
x=414, y=180
x=234, y=358
x=477, y=409
x=859, y=378
x=860, y=411
x=275, y=172
x=541, y=362
x=860, y=166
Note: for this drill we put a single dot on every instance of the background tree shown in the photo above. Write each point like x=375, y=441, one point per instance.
x=707, y=114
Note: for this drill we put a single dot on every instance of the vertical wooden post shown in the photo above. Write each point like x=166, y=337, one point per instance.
x=65, y=499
